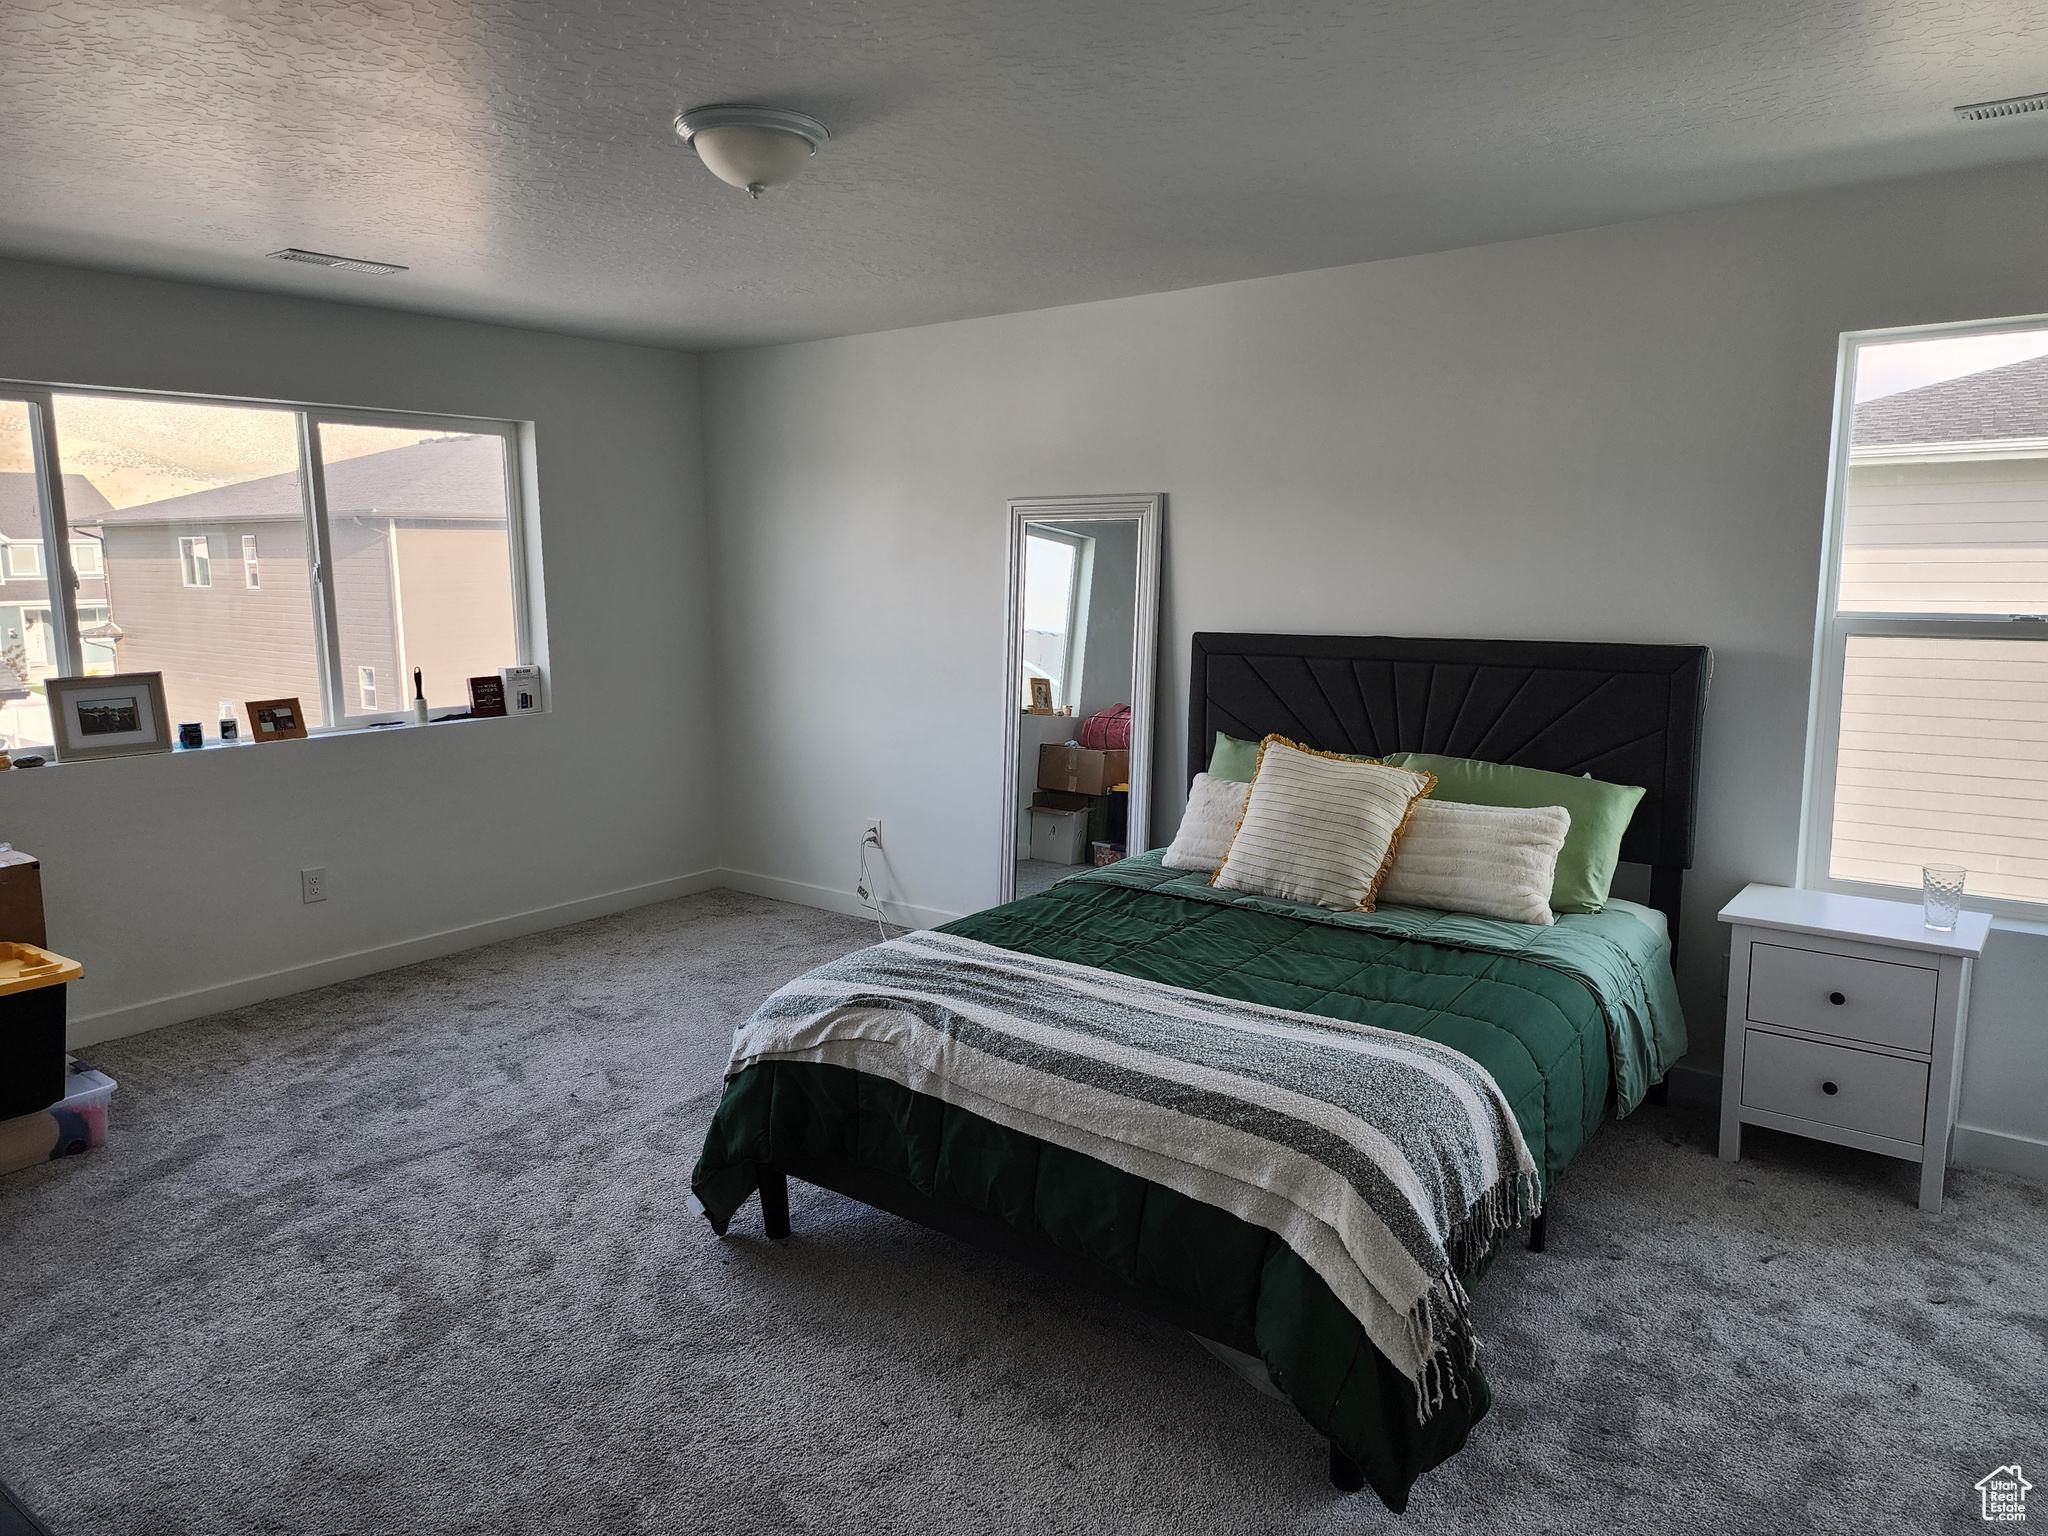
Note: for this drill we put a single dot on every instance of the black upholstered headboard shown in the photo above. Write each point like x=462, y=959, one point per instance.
x=1629, y=714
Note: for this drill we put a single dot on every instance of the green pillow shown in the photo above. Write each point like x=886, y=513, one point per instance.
x=1238, y=761
x=1233, y=759
x=1600, y=814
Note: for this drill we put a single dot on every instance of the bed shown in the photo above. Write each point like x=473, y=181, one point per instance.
x=1573, y=1022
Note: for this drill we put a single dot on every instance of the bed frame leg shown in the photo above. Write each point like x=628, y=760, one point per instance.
x=1660, y=1092
x=775, y=1202
x=1346, y=1475
x=1539, y=1232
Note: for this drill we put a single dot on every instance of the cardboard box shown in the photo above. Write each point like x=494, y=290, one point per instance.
x=1081, y=770
x=1059, y=837
x=21, y=898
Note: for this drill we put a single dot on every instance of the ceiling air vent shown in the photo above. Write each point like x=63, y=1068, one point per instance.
x=2012, y=106
x=340, y=263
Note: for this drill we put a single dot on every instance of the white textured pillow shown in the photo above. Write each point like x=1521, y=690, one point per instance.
x=1318, y=827
x=1495, y=860
x=1206, y=828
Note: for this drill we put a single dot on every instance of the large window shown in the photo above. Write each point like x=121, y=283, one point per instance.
x=366, y=542
x=1929, y=739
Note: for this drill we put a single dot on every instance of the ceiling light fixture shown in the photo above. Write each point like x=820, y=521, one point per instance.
x=752, y=148
x=339, y=263
x=2012, y=106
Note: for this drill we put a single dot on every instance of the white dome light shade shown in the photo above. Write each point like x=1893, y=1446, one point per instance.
x=752, y=148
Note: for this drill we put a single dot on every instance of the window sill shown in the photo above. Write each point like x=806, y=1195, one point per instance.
x=2006, y=916
x=314, y=733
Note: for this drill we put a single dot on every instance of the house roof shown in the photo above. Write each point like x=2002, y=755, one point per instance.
x=460, y=478
x=20, y=518
x=1999, y=403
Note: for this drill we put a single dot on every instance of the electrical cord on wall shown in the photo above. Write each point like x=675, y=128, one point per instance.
x=866, y=888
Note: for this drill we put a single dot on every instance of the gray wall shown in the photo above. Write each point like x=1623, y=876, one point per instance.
x=175, y=879
x=1618, y=434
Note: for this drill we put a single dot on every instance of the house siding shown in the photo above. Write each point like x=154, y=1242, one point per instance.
x=363, y=607
x=457, y=601
x=225, y=641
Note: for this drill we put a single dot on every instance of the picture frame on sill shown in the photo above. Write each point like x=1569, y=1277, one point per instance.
x=276, y=720
x=122, y=715
x=1041, y=696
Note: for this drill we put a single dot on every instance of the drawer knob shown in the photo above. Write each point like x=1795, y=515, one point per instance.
x=1837, y=999
x=1829, y=1088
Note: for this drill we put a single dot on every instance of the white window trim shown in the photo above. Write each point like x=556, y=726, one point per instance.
x=189, y=558
x=1832, y=630
x=1077, y=617
x=252, y=578
x=529, y=593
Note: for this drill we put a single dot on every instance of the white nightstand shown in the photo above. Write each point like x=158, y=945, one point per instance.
x=1845, y=1023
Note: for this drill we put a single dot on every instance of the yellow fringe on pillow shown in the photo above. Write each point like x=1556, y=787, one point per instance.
x=1372, y=891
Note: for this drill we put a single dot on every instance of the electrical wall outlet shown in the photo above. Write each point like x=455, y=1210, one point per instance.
x=313, y=884
x=871, y=834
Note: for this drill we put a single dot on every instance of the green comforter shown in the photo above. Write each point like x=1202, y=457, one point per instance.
x=1559, y=1016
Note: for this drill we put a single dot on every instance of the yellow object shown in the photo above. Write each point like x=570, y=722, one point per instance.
x=24, y=967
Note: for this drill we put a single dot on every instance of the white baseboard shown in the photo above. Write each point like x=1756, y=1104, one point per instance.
x=804, y=894
x=1974, y=1146
x=2000, y=1151
x=178, y=1007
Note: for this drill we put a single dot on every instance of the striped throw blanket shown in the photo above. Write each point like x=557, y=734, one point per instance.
x=1389, y=1163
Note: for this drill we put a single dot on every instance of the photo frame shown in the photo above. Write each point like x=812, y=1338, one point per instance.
x=1041, y=695
x=276, y=720
x=122, y=715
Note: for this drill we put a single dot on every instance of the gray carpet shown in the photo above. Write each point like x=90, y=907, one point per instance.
x=409, y=1255
x=1035, y=875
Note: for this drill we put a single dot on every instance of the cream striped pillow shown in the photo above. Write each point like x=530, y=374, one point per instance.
x=1496, y=860
x=1318, y=827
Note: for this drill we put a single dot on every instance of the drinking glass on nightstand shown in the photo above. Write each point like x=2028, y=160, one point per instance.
x=1941, y=894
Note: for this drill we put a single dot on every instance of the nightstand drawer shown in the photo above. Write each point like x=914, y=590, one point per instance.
x=1875, y=1001
x=1835, y=1085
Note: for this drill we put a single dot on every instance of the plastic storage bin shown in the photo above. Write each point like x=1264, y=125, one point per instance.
x=32, y=987
x=75, y=1123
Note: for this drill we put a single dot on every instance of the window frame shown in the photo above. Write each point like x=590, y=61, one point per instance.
x=522, y=525
x=252, y=576
x=1833, y=630
x=1082, y=547
x=195, y=550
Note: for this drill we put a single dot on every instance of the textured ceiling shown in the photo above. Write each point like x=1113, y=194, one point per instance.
x=987, y=155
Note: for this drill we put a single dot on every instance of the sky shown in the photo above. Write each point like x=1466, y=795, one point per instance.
x=1887, y=368
x=1048, y=584
x=141, y=450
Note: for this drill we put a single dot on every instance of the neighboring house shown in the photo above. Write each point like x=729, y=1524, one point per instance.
x=1948, y=491
x=1946, y=510
x=212, y=589
x=28, y=645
